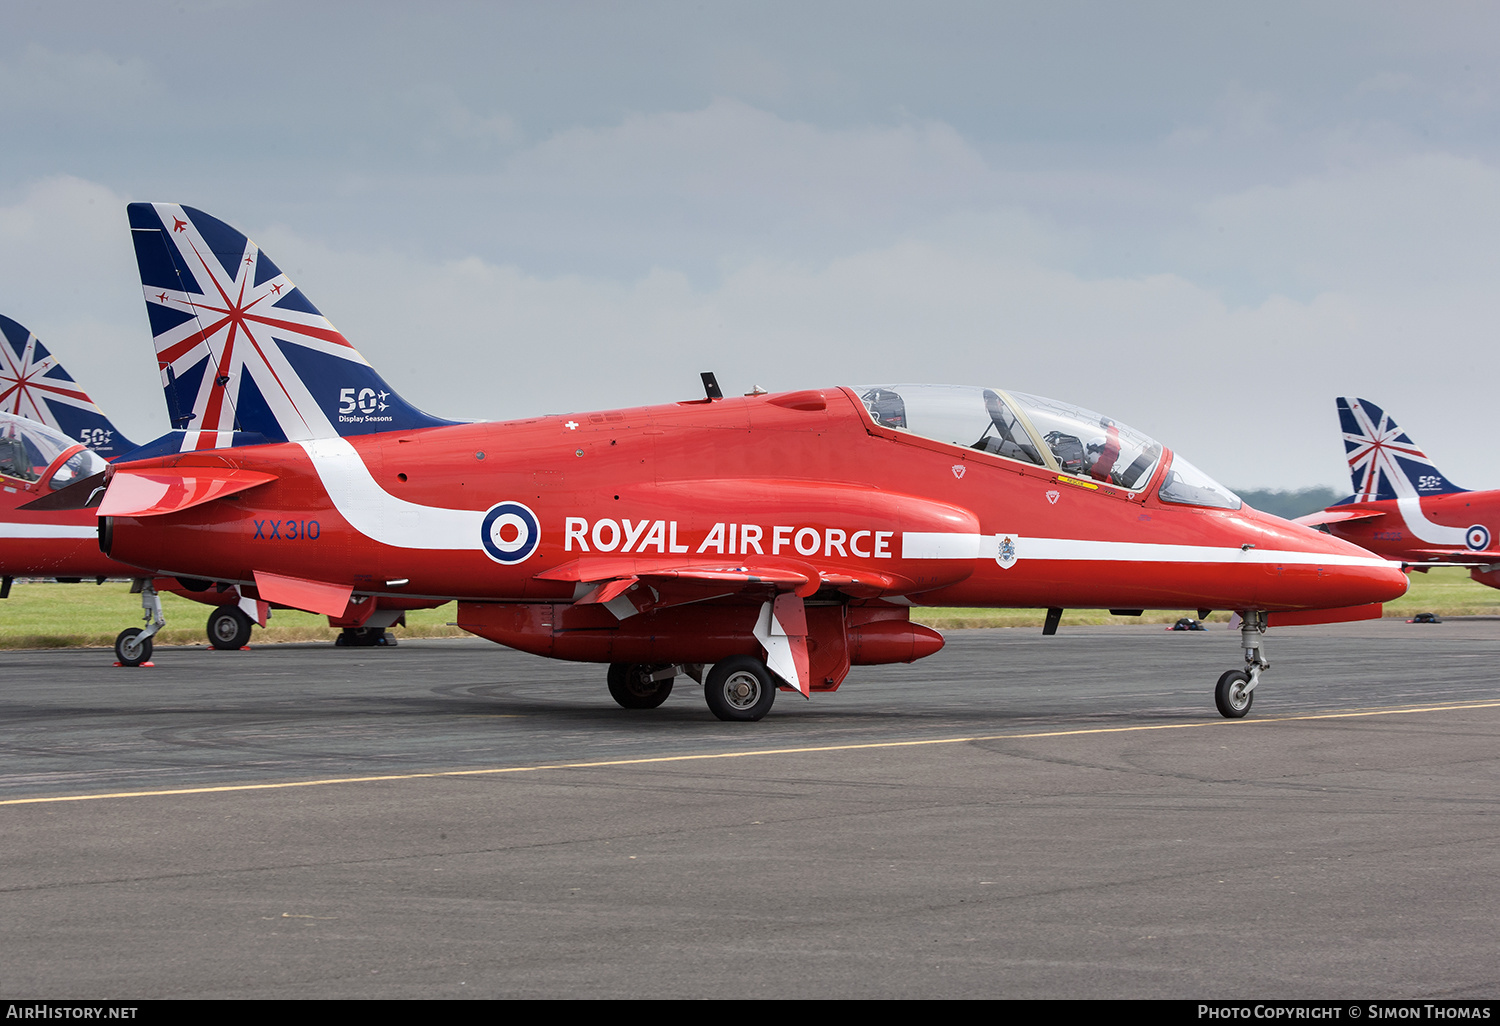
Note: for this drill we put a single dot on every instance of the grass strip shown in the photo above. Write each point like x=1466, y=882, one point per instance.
x=43, y=614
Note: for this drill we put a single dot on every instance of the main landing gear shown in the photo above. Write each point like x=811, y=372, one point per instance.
x=739, y=688
x=364, y=637
x=1236, y=688
x=133, y=646
x=229, y=628
x=640, y=685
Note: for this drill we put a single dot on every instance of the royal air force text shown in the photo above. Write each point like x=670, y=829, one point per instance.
x=724, y=539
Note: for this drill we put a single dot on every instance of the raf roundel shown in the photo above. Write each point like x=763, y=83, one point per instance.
x=1478, y=538
x=510, y=532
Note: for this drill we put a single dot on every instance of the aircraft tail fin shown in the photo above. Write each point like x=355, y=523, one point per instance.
x=1384, y=463
x=33, y=384
x=241, y=349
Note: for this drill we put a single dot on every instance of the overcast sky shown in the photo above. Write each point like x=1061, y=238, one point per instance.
x=1205, y=220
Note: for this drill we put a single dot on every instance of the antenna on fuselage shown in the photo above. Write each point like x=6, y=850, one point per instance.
x=711, y=385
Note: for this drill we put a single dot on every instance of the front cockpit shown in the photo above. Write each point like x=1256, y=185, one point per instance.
x=1043, y=432
x=34, y=453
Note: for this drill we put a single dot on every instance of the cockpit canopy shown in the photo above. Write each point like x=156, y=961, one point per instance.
x=29, y=450
x=1040, y=431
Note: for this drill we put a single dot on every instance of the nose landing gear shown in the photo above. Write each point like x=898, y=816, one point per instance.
x=133, y=646
x=1236, y=688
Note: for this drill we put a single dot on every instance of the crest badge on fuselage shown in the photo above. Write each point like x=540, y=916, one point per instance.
x=1006, y=554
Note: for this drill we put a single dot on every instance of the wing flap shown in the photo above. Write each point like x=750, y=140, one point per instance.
x=717, y=574
x=611, y=577
x=313, y=596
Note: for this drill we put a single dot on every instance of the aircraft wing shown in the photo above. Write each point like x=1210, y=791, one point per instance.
x=1428, y=558
x=627, y=586
x=1337, y=516
x=611, y=578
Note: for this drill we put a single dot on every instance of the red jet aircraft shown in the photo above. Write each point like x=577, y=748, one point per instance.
x=1403, y=508
x=773, y=540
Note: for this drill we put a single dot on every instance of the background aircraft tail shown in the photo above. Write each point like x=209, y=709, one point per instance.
x=1384, y=463
x=33, y=384
x=241, y=349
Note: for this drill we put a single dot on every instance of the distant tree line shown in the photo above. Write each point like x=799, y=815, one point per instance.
x=1291, y=504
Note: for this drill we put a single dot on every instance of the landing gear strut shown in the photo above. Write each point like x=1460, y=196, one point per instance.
x=133, y=646
x=1235, y=690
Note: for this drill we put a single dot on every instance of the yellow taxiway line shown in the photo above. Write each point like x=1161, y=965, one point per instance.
x=812, y=749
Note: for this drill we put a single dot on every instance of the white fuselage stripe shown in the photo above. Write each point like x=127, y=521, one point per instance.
x=919, y=545
x=382, y=517
x=1425, y=530
x=13, y=530
x=379, y=515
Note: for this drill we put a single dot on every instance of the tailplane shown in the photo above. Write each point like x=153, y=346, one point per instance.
x=33, y=384
x=242, y=352
x=1384, y=463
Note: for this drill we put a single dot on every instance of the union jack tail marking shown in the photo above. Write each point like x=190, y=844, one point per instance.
x=1384, y=463
x=33, y=384
x=241, y=349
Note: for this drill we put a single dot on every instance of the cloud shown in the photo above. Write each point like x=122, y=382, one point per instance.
x=68, y=273
x=1424, y=221
x=720, y=182
x=1368, y=280
x=1246, y=392
x=43, y=85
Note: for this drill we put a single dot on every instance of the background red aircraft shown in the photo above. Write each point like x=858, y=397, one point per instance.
x=1403, y=507
x=53, y=434
x=778, y=539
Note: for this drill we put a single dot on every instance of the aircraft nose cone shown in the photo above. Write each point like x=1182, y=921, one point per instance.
x=1347, y=575
x=1383, y=584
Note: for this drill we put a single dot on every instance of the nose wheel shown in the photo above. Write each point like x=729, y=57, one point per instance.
x=133, y=646
x=1233, y=695
x=1236, y=688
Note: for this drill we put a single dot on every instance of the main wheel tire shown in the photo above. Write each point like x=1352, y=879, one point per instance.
x=131, y=649
x=1230, y=694
x=229, y=628
x=739, y=688
x=358, y=637
x=630, y=685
